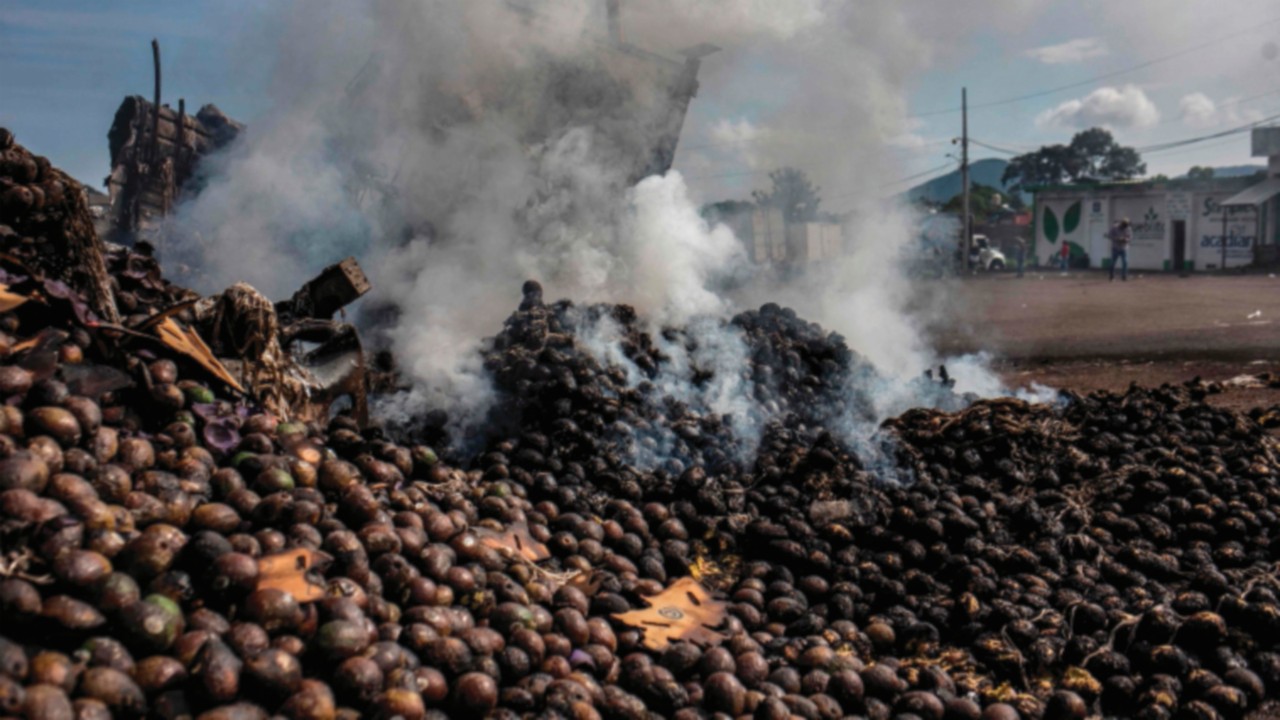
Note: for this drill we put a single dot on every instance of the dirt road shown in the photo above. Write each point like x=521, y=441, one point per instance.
x=1084, y=332
x=1083, y=316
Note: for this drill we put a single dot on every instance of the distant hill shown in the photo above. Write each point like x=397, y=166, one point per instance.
x=941, y=189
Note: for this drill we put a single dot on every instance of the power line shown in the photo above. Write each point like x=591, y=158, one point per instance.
x=997, y=148
x=1146, y=150
x=1188, y=148
x=1154, y=148
x=922, y=173
x=1237, y=101
x=919, y=152
x=923, y=148
x=919, y=149
x=1011, y=150
x=936, y=171
x=1105, y=76
x=1191, y=141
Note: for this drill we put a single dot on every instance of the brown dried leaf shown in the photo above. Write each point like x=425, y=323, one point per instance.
x=165, y=314
x=188, y=342
x=516, y=540
x=288, y=570
x=10, y=300
x=684, y=611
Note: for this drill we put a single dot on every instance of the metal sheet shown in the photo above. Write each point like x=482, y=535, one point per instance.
x=1257, y=194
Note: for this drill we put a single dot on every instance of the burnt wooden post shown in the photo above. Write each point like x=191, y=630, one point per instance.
x=334, y=288
x=155, y=115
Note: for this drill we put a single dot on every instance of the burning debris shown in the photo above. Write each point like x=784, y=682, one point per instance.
x=594, y=385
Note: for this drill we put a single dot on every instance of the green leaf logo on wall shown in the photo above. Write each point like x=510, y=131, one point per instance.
x=1050, y=225
x=1071, y=219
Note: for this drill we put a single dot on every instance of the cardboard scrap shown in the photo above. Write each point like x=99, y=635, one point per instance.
x=188, y=342
x=288, y=571
x=684, y=611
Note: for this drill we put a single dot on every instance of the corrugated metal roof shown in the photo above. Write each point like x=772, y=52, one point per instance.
x=1256, y=194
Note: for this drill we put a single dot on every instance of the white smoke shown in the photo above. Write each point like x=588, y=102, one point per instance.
x=672, y=255
x=461, y=148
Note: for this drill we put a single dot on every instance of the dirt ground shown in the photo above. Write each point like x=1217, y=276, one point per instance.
x=1085, y=333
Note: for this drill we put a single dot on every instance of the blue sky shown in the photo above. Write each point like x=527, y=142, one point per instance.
x=1196, y=83
x=1151, y=71
x=65, y=66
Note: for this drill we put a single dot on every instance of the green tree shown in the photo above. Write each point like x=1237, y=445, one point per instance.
x=793, y=193
x=718, y=211
x=1050, y=165
x=1099, y=155
x=1092, y=153
x=981, y=202
x=1200, y=172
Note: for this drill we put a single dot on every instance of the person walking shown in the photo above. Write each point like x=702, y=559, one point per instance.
x=1064, y=256
x=1020, y=251
x=1120, y=237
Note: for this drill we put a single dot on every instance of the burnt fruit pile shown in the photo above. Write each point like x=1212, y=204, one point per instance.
x=1111, y=555
x=622, y=547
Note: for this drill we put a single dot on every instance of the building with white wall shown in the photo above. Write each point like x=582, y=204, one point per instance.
x=769, y=239
x=1175, y=221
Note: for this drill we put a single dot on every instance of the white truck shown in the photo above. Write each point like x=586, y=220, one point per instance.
x=982, y=256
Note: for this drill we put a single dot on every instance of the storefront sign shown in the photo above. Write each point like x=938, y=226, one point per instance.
x=1242, y=231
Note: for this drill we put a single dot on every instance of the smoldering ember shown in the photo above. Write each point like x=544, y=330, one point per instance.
x=449, y=384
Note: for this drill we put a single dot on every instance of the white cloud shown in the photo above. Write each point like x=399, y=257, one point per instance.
x=1071, y=51
x=739, y=137
x=735, y=132
x=1200, y=111
x=1123, y=107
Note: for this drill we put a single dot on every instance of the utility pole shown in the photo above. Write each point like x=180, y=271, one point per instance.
x=966, y=228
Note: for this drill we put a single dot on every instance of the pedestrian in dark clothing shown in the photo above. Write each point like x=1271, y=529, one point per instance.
x=1020, y=249
x=1064, y=256
x=1120, y=237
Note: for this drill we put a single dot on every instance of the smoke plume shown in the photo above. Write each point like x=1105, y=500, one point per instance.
x=461, y=148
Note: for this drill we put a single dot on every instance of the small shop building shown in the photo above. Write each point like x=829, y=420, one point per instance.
x=1192, y=224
